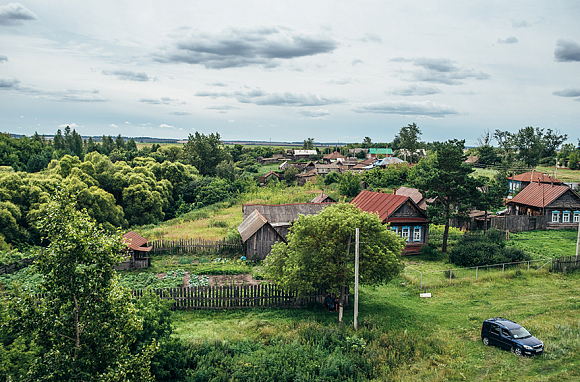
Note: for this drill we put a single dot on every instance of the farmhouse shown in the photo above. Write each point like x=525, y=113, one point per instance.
x=559, y=203
x=519, y=182
x=304, y=154
x=263, y=180
x=407, y=220
x=136, y=253
x=266, y=224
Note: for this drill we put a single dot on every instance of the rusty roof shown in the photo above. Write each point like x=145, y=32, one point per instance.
x=334, y=155
x=135, y=241
x=539, y=194
x=383, y=204
x=537, y=177
x=414, y=194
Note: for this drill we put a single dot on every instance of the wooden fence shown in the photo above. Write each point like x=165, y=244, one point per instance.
x=11, y=268
x=566, y=263
x=232, y=297
x=197, y=245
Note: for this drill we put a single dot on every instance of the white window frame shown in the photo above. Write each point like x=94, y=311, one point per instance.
x=566, y=217
x=576, y=216
x=556, y=215
x=417, y=234
x=406, y=232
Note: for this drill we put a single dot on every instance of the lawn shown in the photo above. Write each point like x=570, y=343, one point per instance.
x=550, y=243
x=421, y=339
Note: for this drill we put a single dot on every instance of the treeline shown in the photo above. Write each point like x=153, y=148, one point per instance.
x=117, y=184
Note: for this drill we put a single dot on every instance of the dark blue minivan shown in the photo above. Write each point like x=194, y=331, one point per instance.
x=509, y=335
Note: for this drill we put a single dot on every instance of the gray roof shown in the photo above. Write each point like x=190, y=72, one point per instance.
x=281, y=213
x=251, y=224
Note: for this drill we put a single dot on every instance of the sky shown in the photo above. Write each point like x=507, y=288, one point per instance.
x=336, y=71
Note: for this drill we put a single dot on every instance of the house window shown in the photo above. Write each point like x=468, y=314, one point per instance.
x=395, y=230
x=566, y=217
x=576, y=216
x=555, y=216
x=405, y=233
x=417, y=234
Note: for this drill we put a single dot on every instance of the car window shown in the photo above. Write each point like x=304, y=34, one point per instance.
x=494, y=329
x=520, y=333
x=505, y=332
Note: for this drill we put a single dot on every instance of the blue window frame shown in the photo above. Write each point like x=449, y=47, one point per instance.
x=417, y=234
x=566, y=217
x=395, y=230
x=405, y=232
x=555, y=216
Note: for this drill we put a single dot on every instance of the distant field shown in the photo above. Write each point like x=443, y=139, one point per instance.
x=565, y=175
x=141, y=145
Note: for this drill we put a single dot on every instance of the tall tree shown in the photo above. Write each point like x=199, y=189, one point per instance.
x=409, y=139
x=87, y=322
x=204, y=152
x=308, y=144
x=319, y=252
x=445, y=178
x=120, y=142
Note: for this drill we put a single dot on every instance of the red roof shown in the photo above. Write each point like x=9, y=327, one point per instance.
x=383, y=204
x=539, y=194
x=334, y=155
x=135, y=241
x=537, y=177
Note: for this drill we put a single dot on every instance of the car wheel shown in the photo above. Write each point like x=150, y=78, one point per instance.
x=518, y=352
x=485, y=341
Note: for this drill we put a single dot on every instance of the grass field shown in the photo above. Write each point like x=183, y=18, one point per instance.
x=551, y=243
x=435, y=339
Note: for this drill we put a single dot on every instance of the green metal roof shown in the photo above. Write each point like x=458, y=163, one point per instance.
x=380, y=151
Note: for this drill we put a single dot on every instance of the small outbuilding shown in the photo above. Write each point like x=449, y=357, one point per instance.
x=137, y=253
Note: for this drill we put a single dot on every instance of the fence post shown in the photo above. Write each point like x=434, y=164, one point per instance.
x=502, y=269
x=450, y=274
x=476, y=268
x=551, y=264
x=421, y=279
x=528, y=265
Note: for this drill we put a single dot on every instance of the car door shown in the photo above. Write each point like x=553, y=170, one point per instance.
x=494, y=334
x=506, y=338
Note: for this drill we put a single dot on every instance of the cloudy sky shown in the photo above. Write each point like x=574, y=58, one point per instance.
x=336, y=71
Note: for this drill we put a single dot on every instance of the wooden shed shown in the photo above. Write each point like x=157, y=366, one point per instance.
x=266, y=224
x=137, y=254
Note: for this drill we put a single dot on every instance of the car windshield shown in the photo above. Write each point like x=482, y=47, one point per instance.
x=520, y=333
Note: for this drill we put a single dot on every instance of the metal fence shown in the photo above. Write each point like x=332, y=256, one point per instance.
x=445, y=277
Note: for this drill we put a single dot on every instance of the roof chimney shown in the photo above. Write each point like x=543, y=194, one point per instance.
x=395, y=191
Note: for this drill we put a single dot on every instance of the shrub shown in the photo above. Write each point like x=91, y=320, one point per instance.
x=431, y=253
x=477, y=249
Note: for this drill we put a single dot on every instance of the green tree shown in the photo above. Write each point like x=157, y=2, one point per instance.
x=131, y=145
x=493, y=192
x=409, y=139
x=349, y=185
x=319, y=252
x=445, y=178
x=290, y=174
x=574, y=160
x=204, y=152
x=367, y=143
x=565, y=152
x=308, y=144
x=87, y=322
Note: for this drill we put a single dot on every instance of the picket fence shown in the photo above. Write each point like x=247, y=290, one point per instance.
x=196, y=245
x=233, y=297
x=566, y=263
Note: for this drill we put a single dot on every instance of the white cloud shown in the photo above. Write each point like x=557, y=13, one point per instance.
x=113, y=125
x=71, y=125
x=163, y=125
x=425, y=109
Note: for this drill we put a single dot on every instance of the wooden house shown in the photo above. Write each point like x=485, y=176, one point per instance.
x=263, y=180
x=406, y=219
x=559, y=203
x=519, y=182
x=137, y=254
x=265, y=224
x=322, y=198
x=309, y=176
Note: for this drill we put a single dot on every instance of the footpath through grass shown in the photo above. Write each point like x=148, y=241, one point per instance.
x=410, y=338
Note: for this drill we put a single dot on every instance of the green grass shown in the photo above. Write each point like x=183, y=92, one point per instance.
x=565, y=175
x=550, y=243
x=431, y=339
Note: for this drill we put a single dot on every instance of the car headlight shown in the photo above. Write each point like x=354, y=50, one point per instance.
x=528, y=347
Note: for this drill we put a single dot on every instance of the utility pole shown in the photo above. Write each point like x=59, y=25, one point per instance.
x=577, y=241
x=356, y=259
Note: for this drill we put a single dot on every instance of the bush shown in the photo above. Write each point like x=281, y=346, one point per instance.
x=477, y=249
x=431, y=253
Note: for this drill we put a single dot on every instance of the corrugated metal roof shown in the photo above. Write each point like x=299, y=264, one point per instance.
x=381, y=151
x=305, y=152
x=384, y=204
x=251, y=225
x=414, y=194
x=135, y=241
x=390, y=160
x=537, y=177
x=539, y=194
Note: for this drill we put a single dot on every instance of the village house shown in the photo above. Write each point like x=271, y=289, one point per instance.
x=264, y=225
x=406, y=219
x=322, y=198
x=304, y=154
x=558, y=203
x=333, y=157
x=374, y=153
x=519, y=182
x=414, y=194
x=309, y=176
x=136, y=254
x=263, y=180
x=274, y=159
x=363, y=166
